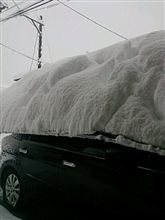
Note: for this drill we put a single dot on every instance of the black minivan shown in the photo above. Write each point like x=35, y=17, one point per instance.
x=111, y=177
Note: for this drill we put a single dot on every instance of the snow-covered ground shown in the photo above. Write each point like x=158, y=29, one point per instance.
x=6, y=215
x=117, y=90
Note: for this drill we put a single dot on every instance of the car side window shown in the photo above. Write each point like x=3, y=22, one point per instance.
x=94, y=151
x=76, y=145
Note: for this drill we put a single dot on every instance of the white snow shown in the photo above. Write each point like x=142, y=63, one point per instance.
x=119, y=90
x=6, y=215
x=1, y=137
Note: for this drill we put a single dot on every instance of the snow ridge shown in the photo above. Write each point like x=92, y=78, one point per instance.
x=119, y=90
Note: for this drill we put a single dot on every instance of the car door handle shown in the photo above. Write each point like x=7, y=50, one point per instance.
x=23, y=150
x=69, y=164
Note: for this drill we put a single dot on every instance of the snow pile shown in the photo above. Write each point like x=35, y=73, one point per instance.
x=1, y=137
x=119, y=90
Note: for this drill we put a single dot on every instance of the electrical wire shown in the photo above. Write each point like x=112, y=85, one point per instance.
x=74, y=10
x=16, y=51
x=27, y=17
x=13, y=6
x=93, y=21
x=31, y=20
x=3, y=2
x=16, y=4
x=29, y=8
x=50, y=55
x=34, y=48
x=47, y=7
x=33, y=6
x=20, y=12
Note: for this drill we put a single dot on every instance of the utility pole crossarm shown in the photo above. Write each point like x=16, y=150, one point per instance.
x=32, y=19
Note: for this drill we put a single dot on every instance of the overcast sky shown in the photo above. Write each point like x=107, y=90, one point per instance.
x=69, y=34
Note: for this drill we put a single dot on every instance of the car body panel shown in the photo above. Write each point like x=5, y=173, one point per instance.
x=102, y=173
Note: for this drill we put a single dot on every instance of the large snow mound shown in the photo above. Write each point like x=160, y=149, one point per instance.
x=118, y=90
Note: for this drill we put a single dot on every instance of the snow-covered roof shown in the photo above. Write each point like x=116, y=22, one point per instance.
x=118, y=90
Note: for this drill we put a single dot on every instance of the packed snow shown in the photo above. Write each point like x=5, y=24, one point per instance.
x=118, y=90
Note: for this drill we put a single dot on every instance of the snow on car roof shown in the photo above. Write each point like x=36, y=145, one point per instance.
x=118, y=90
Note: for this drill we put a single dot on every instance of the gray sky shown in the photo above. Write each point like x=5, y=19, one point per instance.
x=69, y=34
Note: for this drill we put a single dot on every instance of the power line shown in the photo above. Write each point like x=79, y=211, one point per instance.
x=50, y=55
x=3, y=2
x=90, y=19
x=49, y=6
x=14, y=6
x=20, y=11
x=33, y=6
x=20, y=53
x=32, y=19
x=29, y=18
x=39, y=29
x=34, y=48
x=28, y=8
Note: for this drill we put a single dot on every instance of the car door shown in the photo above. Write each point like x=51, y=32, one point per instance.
x=86, y=173
x=40, y=164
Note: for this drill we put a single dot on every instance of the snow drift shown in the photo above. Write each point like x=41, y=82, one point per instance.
x=118, y=90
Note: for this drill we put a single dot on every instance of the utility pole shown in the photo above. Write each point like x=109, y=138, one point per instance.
x=39, y=29
x=40, y=43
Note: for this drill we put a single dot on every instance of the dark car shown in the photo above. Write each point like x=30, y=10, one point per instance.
x=111, y=177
